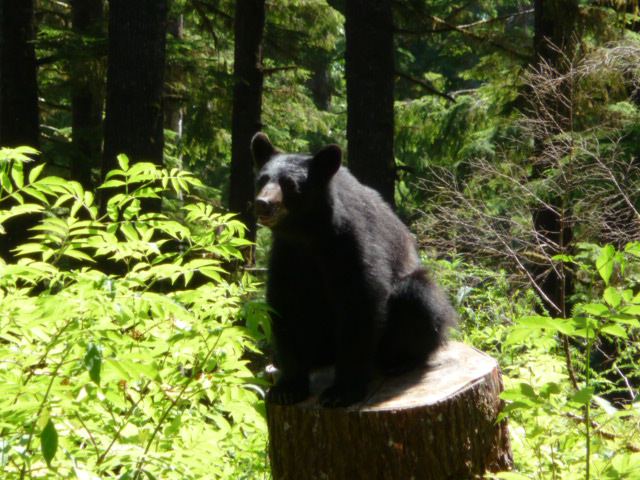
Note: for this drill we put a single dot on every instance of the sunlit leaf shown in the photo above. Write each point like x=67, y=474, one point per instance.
x=49, y=442
x=112, y=184
x=123, y=161
x=605, y=263
x=93, y=362
x=614, y=330
x=583, y=396
x=612, y=296
x=598, y=309
x=35, y=172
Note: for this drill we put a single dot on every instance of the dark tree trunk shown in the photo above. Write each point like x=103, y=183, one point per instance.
x=369, y=63
x=87, y=91
x=173, y=108
x=555, y=233
x=554, y=42
x=247, y=106
x=555, y=31
x=19, y=122
x=135, y=82
x=320, y=82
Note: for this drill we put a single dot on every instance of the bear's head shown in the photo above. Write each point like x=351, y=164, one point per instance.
x=290, y=185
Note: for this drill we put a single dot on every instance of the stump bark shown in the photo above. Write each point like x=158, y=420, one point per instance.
x=430, y=424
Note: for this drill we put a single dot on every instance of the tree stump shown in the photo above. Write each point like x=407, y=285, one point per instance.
x=430, y=424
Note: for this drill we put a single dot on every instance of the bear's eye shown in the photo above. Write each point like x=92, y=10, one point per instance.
x=262, y=181
x=288, y=185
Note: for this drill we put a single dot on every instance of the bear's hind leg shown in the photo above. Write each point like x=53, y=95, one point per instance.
x=418, y=318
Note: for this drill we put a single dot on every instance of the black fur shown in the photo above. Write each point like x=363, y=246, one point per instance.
x=345, y=280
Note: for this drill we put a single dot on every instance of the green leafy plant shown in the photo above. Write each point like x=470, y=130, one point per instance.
x=556, y=426
x=561, y=403
x=135, y=374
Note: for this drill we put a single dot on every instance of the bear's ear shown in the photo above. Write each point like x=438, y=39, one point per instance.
x=261, y=149
x=326, y=162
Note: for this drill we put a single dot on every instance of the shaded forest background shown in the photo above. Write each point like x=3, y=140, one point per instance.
x=505, y=133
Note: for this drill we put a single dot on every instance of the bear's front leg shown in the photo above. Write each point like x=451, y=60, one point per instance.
x=356, y=337
x=353, y=372
x=292, y=385
x=289, y=391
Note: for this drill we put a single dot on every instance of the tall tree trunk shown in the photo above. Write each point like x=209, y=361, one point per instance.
x=135, y=82
x=173, y=108
x=554, y=42
x=320, y=82
x=19, y=122
x=87, y=91
x=247, y=106
x=555, y=33
x=369, y=64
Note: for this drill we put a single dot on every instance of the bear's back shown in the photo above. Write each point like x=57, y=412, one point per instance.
x=381, y=236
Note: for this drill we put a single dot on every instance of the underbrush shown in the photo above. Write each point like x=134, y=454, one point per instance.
x=563, y=403
x=124, y=341
x=141, y=373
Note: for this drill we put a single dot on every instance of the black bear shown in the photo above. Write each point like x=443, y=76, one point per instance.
x=345, y=283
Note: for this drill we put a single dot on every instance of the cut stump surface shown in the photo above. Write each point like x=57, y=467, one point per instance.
x=429, y=424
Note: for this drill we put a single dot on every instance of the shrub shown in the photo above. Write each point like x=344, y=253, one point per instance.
x=563, y=420
x=103, y=375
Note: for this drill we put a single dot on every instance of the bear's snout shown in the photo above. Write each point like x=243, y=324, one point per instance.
x=268, y=204
x=264, y=208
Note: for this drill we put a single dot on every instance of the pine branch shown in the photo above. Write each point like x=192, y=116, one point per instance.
x=211, y=8
x=466, y=31
x=497, y=19
x=269, y=71
x=426, y=85
x=203, y=8
x=449, y=27
x=47, y=60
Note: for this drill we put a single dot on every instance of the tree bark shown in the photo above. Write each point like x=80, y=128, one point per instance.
x=247, y=106
x=173, y=109
x=19, y=118
x=431, y=424
x=19, y=122
x=320, y=82
x=369, y=67
x=555, y=29
x=135, y=82
x=87, y=90
x=554, y=42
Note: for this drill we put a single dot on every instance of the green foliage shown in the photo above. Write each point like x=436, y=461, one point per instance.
x=293, y=121
x=574, y=430
x=557, y=427
x=142, y=372
x=129, y=375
